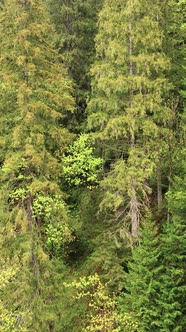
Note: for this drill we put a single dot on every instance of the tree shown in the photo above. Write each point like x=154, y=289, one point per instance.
x=173, y=43
x=172, y=22
x=80, y=166
x=128, y=109
x=142, y=284
x=155, y=287
x=75, y=23
x=35, y=92
x=173, y=248
x=99, y=306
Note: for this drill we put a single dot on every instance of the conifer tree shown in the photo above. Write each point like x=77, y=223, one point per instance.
x=173, y=24
x=155, y=287
x=35, y=92
x=173, y=247
x=141, y=289
x=127, y=109
x=75, y=23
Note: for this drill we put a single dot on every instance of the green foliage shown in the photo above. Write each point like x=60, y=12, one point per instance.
x=101, y=314
x=73, y=255
x=9, y=320
x=53, y=212
x=40, y=90
x=141, y=289
x=173, y=23
x=128, y=323
x=101, y=308
x=177, y=198
x=128, y=110
x=117, y=186
x=35, y=93
x=173, y=248
x=80, y=166
x=75, y=23
x=107, y=259
x=157, y=272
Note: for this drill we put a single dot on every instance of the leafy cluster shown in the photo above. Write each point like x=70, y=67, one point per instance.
x=80, y=166
x=101, y=308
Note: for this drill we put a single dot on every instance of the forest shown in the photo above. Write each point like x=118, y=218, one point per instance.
x=92, y=166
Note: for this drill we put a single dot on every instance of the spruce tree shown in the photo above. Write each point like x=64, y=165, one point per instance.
x=154, y=291
x=75, y=23
x=35, y=92
x=173, y=24
x=173, y=247
x=128, y=109
x=142, y=282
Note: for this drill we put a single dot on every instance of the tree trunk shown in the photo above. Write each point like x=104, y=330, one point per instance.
x=134, y=211
x=159, y=189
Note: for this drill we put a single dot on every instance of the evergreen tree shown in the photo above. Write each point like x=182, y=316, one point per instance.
x=141, y=292
x=35, y=92
x=171, y=21
x=155, y=286
x=173, y=248
x=128, y=107
x=173, y=24
x=75, y=23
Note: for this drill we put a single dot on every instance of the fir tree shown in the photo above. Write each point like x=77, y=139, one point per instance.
x=173, y=248
x=173, y=24
x=75, y=23
x=35, y=93
x=155, y=287
x=128, y=109
x=141, y=289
